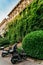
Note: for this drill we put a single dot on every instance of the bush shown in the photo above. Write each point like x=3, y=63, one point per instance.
x=33, y=44
x=4, y=42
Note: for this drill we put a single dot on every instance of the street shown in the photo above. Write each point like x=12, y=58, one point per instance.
x=6, y=61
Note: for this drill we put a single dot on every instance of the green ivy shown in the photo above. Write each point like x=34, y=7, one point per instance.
x=30, y=19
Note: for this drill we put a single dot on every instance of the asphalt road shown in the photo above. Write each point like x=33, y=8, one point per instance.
x=6, y=61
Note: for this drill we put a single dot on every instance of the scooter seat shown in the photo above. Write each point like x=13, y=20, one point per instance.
x=4, y=52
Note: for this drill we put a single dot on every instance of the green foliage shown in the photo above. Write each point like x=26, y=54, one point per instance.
x=4, y=42
x=19, y=50
x=33, y=44
x=30, y=19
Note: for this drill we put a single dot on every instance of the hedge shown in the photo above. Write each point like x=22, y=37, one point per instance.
x=33, y=44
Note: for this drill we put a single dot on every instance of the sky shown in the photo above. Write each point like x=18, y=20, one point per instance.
x=6, y=6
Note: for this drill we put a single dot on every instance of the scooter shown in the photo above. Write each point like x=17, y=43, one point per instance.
x=18, y=57
x=1, y=48
x=9, y=51
x=6, y=52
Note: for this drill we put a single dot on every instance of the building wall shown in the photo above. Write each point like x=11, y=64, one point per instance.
x=2, y=26
x=18, y=8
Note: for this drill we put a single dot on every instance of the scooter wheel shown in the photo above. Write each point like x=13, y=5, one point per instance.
x=3, y=55
x=13, y=61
